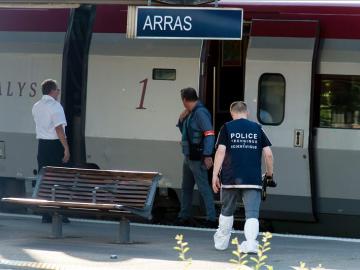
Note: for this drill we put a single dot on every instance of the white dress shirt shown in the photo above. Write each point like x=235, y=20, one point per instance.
x=48, y=114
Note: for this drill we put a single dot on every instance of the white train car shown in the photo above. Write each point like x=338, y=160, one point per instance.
x=30, y=51
x=133, y=103
x=297, y=67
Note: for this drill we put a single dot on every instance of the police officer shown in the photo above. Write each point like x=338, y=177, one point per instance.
x=198, y=139
x=240, y=147
x=50, y=122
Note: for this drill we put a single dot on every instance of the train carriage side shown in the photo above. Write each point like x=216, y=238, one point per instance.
x=133, y=103
x=286, y=79
x=337, y=133
x=30, y=52
x=303, y=86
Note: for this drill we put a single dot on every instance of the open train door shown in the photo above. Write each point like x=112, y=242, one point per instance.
x=279, y=81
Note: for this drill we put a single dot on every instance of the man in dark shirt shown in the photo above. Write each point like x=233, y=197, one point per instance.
x=198, y=139
x=240, y=147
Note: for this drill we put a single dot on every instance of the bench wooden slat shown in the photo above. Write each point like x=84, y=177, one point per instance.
x=76, y=197
x=40, y=202
x=99, y=176
x=141, y=198
x=134, y=181
x=121, y=189
x=99, y=182
x=98, y=194
x=118, y=192
x=126, y=174
x=49, y=186
x=88, y=196
x=73, y=205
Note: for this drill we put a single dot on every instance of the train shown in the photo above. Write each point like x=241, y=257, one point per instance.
x=297, y=67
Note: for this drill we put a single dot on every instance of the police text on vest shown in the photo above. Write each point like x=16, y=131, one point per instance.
x=251, y=136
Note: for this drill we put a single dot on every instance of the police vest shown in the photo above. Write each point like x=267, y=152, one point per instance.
x=242, y=164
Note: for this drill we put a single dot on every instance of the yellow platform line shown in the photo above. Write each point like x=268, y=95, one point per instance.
x=33, y=265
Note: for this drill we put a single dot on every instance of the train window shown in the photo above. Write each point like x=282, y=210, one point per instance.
x=271, y=101
x=164, y=74
x=339, y=100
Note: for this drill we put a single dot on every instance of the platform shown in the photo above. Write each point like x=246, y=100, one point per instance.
x=24, y=244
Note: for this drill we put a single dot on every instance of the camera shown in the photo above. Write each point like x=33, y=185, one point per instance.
x=269, y=180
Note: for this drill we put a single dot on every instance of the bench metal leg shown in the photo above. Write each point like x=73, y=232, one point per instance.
x=123, y=236
x=56, y=226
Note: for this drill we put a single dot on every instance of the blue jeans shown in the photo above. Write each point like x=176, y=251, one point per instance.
x=195, y=172
x=251, y=199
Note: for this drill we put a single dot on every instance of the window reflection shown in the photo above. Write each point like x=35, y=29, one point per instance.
x=271, y=104
x=340, y=101
x=164, y=74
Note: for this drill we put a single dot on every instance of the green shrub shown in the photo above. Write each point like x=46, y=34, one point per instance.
x=241, y=260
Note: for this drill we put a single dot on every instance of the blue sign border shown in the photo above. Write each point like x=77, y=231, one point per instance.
x=210, y=23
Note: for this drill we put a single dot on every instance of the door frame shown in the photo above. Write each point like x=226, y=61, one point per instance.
x=284, y=28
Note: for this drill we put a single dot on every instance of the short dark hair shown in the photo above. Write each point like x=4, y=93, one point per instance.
x=189, y=94
x=238, y=107
x=48, y=85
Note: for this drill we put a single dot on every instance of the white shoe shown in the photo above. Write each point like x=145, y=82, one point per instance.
x=249, y=247
x=223, y=233
x=251, y=231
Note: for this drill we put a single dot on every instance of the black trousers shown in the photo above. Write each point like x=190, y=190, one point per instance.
x=50, y=153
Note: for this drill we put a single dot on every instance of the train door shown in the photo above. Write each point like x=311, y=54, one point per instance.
x=279, y=81
x=222, y=75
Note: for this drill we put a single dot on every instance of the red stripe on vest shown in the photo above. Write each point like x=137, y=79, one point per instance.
x=209, y=133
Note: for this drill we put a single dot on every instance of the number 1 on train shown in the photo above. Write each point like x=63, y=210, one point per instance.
x=141, y=106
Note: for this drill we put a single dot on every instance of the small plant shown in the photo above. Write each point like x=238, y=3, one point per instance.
x=183, y=248
x=241, y=263
x=261, y=258
x=240, y=260
x=303, y=267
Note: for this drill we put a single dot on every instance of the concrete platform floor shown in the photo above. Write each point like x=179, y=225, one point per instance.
x=25, y=244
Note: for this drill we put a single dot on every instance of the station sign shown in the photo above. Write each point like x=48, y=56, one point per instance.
x=205, y=23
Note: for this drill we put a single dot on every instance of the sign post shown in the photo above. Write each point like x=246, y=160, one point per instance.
x=185, y=23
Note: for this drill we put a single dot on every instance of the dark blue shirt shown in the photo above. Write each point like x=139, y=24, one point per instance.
x=244, y=141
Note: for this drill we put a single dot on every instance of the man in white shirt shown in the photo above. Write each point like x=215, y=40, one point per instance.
x=50, y=121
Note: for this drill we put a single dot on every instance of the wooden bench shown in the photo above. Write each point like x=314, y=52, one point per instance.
x=75, y=192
